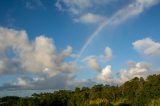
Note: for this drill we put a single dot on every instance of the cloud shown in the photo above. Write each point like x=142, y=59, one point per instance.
x=135, y=69
x=9, y=66
x=84, y=11
x=147, y=46
x=74, y=6
x=79, y=6
x=139, y=69
x=19, y=54
x=92, y=63
x=90, y=18
x=133, y=9
x=38, y=61
x=105, y=75
x=29, y=83
x=23, y=82
x=45, y=83
x=66, y=81
x=107, y=54
x=34, y=4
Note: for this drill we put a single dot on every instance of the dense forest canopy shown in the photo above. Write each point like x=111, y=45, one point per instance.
x=136, y=92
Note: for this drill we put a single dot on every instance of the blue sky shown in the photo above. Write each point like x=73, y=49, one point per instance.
x=69, y=43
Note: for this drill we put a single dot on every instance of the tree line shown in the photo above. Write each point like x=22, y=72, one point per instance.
x=136, y=92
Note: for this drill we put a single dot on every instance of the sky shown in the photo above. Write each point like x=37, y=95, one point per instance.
x=63, y=44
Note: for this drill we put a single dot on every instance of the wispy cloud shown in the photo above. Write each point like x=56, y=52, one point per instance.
x=84, y=11
x=77, y=7
x=90, y=18
x=34, y=4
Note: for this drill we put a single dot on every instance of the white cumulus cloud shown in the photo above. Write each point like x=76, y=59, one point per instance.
x=105, y=75
x=139, y=69
x=19, y=54
x=147, y=46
